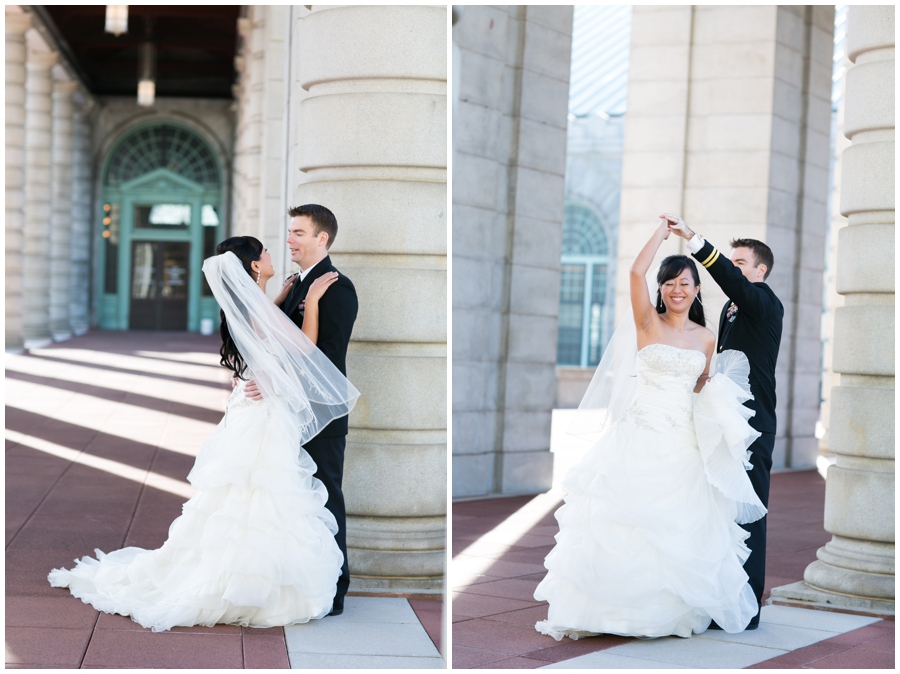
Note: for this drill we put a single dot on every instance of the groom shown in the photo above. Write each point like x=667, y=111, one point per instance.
x=751, y=323
x=311, y=232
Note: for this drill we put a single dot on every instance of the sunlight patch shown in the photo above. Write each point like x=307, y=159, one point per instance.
x=116, y=468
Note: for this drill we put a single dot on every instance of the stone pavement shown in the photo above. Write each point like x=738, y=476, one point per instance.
x=498, y=550
x=101, y=431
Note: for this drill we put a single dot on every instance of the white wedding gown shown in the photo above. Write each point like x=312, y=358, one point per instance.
x=254, y=547
x=648, y=544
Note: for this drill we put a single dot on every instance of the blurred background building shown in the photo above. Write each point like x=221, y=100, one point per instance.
x=575, y=127
x=139, y=136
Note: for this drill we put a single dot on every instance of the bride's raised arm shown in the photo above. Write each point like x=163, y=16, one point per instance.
x=641, y=306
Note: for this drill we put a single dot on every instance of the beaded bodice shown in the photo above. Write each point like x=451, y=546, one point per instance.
x=664, y=397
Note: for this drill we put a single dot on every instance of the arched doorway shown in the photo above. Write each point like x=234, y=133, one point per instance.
x=583, y=292
x=161, y=217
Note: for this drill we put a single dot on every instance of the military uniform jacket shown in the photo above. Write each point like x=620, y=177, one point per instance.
x=337, y=313
x=751, y=323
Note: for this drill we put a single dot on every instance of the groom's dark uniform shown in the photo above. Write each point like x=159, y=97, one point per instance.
x=751, y=322
x=337, y=313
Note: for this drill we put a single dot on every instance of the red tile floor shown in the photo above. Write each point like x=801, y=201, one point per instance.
x=101, y=431
x=494, y=610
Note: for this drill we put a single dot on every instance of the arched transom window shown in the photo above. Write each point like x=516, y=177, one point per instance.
x=163, y=146
x=583, y=288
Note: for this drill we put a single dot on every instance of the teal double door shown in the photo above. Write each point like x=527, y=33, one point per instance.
x=157, y=233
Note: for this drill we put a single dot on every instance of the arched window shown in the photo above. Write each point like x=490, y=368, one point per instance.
x=163, y=146
x=583, y=288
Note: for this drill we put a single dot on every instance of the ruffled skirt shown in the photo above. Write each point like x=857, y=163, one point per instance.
x=648, y=546
x=254, y=547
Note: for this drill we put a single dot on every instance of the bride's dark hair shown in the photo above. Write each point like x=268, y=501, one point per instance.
x=672, y=267
x=247, y=249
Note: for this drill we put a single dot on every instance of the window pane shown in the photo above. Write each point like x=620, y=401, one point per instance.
x=596, y=336
x=583, y=233
x=208, y=216
x=571, y=303
x=143, y=271
x=162, y=216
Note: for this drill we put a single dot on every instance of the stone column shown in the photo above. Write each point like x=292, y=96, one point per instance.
x=856, y=568
x=508, y=204
x=16, y=25
x=371, y=137
x=80, y=212
x=60, y=236
x=253, y=84
x=273, y=143
x=38, y=207
x=242, y=140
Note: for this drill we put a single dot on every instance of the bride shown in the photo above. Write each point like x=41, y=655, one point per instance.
x=649, y=544
x=255, y=546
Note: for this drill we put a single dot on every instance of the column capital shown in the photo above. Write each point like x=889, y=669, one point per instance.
x=64, y=87
x=84, y=103
x=17, y=24
x=41, y=60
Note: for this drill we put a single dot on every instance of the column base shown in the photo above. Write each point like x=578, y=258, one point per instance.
x=14, y=345
x=804, y=595
x=395, y=586
x=852, y=567
x=38, y=343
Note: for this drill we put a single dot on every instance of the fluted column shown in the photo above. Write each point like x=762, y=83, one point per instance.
x=371, y=139
x=240, y=91
x=60, y=239
x=255, y=57
x=251, y=94
x=38, y=207
x=16, y=25
x=859, y=496
x=80, y=248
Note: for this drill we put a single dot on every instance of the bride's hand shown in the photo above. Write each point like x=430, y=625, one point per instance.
x=319, y=286
x=664, y=227
x=251, y=390
x=285, y=290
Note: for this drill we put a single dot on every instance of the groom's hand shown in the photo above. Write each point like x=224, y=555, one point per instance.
x=678, y=226
x=252, y=391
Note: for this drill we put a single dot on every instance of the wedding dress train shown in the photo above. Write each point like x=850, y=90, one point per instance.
x=648, y=542
x=254, y=547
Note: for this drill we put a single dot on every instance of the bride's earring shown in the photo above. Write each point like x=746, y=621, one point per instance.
x=258, y=272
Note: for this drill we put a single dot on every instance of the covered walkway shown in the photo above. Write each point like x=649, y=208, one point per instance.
x=101, y=431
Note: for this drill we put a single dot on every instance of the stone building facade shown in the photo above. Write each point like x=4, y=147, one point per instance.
x=345, y=106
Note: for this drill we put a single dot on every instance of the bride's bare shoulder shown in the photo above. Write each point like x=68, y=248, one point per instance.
x=707, y=335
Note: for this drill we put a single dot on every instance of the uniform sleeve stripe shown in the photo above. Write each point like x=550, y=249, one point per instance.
x=712, y=258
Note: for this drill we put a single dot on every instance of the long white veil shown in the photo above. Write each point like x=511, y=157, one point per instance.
x=286, y=365
x=613, y=385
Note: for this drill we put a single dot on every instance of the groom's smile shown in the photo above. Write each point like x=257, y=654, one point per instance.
x=306, y=245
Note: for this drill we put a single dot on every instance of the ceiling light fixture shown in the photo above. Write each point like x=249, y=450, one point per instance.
x=146, y=75
x=117, y=19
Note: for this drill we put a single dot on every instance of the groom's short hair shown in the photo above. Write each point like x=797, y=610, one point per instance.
x=762, y=254
x=323, y=220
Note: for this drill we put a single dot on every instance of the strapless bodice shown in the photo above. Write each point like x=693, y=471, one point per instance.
x=664, y=396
